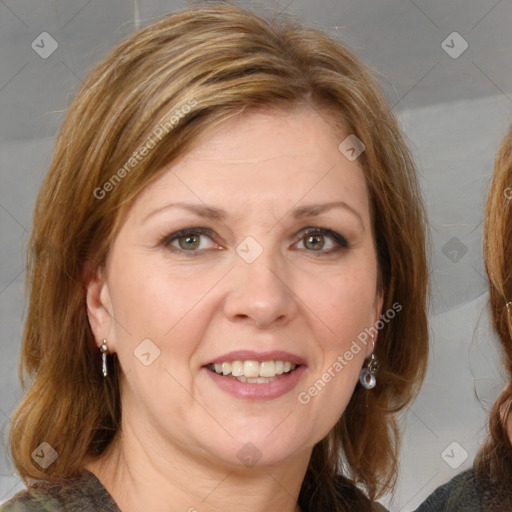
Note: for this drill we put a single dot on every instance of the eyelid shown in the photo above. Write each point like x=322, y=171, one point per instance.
x=340, y=240
x=166, y=240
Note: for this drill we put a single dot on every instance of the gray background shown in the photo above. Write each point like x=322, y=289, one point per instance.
x=454, y=112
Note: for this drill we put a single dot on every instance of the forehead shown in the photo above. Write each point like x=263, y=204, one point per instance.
x=254, y=159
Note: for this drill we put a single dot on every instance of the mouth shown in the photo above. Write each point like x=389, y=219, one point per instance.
x=252, y=371
x=256, y=376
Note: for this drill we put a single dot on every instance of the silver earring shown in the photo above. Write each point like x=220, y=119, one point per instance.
x=367, y=375
x=104, y=351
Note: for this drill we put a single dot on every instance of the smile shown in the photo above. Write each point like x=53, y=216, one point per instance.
x=253, y=372
x=251, y=375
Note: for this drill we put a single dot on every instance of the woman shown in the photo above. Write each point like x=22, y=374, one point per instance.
x=230, y=221
x=487, y=487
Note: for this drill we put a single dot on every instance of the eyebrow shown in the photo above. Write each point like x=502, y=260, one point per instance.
x=202, y=210
x=211, y=212
x=317, y=209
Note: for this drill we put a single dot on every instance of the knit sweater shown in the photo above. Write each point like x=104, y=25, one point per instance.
x=464, y=493
x=83, y=493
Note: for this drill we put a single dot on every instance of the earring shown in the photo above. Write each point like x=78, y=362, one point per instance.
x=104, y=351
x=367, y=375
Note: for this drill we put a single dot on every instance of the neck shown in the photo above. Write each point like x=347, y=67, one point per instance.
x=143, y=476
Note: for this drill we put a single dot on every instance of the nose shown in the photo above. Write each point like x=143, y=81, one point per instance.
x=260, y=294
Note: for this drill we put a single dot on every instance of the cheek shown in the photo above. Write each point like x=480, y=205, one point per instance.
x=158, y=303
x=157, y=329
x=342, y=306
x=152, y=299
x=344, y=302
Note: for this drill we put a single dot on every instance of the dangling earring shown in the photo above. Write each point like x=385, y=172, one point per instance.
x=367, y=375
x=104, y=351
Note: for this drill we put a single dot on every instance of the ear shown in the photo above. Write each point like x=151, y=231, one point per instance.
x=99, y=308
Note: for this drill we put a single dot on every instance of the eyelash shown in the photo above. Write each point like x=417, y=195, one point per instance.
x=339, y=240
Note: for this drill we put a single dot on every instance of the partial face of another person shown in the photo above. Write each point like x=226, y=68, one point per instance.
x=253, y=256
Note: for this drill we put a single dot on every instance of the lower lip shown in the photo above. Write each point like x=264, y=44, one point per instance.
x=268, y=391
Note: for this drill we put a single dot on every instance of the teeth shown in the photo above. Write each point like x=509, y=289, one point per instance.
x=267, y=369
x=252, y=369
x=252, y=372
x=237, y=368
x=259, y=380
x=226, y=368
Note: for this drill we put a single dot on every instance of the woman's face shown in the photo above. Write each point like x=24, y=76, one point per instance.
x=252, y=256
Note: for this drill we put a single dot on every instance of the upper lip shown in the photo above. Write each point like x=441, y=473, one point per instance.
x=250, y=355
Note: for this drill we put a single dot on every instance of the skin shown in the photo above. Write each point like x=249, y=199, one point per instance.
x=180, y=432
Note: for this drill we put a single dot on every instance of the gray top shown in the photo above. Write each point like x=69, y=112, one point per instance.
x=464, y=493
x=85, y=493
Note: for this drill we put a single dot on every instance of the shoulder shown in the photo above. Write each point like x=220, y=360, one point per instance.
x=31, y=500
x=468, y=493
x=83, y=492
x=460, y=494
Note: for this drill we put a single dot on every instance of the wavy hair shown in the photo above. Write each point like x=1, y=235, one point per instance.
x=217, y=59
x=494, y=460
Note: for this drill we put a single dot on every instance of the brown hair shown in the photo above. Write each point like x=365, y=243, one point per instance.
x=495, y=457
x=217, y=59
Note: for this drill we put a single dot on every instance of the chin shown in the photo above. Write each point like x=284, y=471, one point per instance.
x=259, y=452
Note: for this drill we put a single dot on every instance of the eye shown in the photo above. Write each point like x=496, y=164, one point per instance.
x=189, y=240
x=322, y=240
